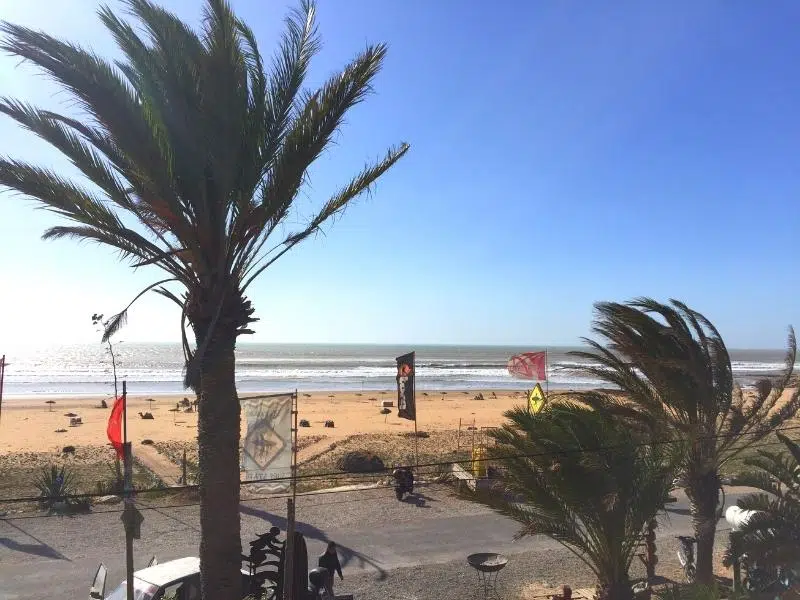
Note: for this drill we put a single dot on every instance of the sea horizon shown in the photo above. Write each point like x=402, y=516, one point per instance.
x=157, y=368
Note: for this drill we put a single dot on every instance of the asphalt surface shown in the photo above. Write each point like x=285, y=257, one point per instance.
x=56, y=557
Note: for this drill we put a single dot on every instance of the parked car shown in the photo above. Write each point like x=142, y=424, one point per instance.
x=175, y=579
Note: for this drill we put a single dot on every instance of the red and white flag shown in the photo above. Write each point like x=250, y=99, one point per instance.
x=529, y=365
x=114, y=429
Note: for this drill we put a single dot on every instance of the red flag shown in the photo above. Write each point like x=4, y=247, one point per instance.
x=114, y=430
x=529, y=365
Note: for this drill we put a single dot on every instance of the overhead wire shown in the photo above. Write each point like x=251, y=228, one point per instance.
x=376, y=486
x=347, y=474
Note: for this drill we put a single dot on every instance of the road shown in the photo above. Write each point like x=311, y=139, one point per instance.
x=55, y=557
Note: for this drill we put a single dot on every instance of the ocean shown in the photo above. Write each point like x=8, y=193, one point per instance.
x=152, y=369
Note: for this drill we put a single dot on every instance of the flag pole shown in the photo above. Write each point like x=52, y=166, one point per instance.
x=546, y=376
x=128, y=514
x=414, y=392
x=2, y=375
x=288, y=548
x=124, y=414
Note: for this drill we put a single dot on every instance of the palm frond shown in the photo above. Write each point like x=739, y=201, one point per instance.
x=361, y=184
x=117, y=322
x=581, y=477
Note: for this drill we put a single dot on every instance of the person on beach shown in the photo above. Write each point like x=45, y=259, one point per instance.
x=330, y=562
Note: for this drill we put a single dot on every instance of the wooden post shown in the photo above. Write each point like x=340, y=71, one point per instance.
x=183, y=469
x=458, y=439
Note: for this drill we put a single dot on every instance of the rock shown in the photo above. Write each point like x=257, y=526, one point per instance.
x=329, y=423
x=304, y=423
x=68, y=450
x=147, y=442
x=107, y=500
x=359, y=461
x=386, y=411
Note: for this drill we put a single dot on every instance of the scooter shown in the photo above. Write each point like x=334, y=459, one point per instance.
x=403, y=482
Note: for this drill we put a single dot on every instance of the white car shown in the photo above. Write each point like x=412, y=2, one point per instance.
x=175, y=579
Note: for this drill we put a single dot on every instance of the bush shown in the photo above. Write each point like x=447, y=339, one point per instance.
x=114, y=483
x=55, y=485
x=360, y=462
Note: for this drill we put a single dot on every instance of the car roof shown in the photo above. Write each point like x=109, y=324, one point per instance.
x=170, y=571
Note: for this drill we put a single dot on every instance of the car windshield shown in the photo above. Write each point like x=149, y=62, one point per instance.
x=141, y=591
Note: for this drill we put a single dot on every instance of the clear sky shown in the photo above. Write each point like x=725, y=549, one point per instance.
x=562, y=153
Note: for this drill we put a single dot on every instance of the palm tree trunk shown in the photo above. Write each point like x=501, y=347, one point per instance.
x=703, y=492
x=218, y=442
x=617, y=590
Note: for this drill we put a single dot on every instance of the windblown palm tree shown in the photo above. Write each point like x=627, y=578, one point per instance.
x=772, y=536
x=675, y=380
x=196, y=150
x=585, y=480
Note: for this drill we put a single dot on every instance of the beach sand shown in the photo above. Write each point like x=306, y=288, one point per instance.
x=31, y=425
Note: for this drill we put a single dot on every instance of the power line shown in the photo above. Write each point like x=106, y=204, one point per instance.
x=340, y=474
x=332, y=474
x=271, y=497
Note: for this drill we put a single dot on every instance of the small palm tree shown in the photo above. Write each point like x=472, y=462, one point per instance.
x=772, y=535
x=583, y=479
x=674, y=379
x=196, y=150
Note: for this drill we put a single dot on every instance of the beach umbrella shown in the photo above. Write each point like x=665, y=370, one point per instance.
x=150, y=403
x=50, y=402
x=529, y=365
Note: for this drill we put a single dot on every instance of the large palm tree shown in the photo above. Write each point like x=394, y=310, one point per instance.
x=585, y=480
x=772, y=535
x=673, y=379
x=196, y=150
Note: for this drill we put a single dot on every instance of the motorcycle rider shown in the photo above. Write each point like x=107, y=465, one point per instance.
x=403, y=481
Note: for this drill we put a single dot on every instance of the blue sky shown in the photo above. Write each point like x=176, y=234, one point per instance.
x=562, y=153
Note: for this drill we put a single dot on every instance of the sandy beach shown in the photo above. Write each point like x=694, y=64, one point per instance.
x=33, y=426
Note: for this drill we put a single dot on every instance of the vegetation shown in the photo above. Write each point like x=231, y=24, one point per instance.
x=56, y=487
x=675, y=380
x=584, y=479
x=772, y=536
x=196, y=151
x=114, y=483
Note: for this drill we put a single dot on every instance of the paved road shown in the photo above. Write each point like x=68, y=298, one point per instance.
x=55, y=557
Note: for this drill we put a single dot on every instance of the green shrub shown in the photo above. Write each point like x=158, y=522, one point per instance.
x=55, y=485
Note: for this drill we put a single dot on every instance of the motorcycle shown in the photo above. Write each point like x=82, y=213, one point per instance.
x=686, y=557
x=403, y=482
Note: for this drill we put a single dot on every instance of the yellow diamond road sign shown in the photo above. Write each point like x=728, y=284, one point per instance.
x=536, y=399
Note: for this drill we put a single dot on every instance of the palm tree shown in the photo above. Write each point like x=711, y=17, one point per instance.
x=772, y=536
x=674, y=380
x=585, y=480
x=197, y=150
